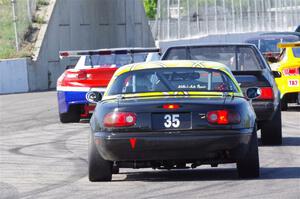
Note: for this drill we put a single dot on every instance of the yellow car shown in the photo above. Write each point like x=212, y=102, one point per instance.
x=289, y=66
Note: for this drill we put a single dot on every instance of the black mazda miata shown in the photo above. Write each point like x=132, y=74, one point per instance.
x=172, y=115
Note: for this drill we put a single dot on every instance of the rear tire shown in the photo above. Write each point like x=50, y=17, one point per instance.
x=115, y=170
x=248, y=166
x=72, y=116
x=271, y=131
x=284, y=104
x=99, y=169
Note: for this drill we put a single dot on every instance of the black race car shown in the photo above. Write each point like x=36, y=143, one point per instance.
x=267, y=43
x=172, y=114
x=251, y=70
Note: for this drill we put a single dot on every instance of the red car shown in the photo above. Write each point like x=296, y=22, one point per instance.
x=93, y=71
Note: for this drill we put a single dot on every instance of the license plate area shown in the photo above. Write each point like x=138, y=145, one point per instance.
x=171, y=121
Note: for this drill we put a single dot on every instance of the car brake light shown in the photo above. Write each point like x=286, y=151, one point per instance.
x=171, y=106
x=291, y=71
x=107, y=52
x=81, y=75
x=119, y=119
x=266, y=93
x=223, y=117
x=64, y=54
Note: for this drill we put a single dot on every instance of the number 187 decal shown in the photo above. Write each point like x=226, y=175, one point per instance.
x=293, y=82
x=172, y=121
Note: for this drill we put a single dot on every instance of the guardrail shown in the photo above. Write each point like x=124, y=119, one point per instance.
x=178, y=19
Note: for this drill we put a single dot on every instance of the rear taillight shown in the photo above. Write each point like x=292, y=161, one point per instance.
x=119, y=119
x=266, y=93
x=64, y=54
x=80, y=75
x=223, y=117
x=290, y=71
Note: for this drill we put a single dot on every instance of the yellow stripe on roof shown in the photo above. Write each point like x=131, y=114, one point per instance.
x=171, y=64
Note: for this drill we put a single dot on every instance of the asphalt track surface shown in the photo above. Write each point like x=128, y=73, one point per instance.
x=42, y=158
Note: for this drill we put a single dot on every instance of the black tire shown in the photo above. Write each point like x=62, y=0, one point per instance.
x=72, y=116
x=271, y=131
x=115, y=170
x=284, y=104
x=248, y=166
x=99, y=169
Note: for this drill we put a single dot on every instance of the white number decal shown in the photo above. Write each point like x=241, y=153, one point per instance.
x=172, y=120
x=168, y=122
x=293, y=82
x=176, y=122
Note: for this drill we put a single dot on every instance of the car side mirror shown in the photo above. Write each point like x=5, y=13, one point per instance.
x=93, y=97
x=276, y=74
x=253, y=93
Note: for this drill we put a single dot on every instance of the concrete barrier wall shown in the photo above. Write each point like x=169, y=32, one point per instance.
x=87, y=24
x=13, y=76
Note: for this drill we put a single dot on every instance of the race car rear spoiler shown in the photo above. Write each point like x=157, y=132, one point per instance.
x=109, y=51
x=287, y=45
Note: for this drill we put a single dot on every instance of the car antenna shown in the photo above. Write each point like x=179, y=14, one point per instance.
x=232, y=96
x=131, y=57
x=91, y=60
x=226, y=94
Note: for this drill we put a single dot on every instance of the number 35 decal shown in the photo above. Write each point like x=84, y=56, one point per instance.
x=172, y=121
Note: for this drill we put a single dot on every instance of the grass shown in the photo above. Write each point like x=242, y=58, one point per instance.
x=7, y=39
x=39, y=20
x=42, y=3
x=7, y=34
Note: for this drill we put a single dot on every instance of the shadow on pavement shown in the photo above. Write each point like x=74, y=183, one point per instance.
x=293, y=109
x=183, y=175
x=286, y=141
x=211, y=174
x=291, y=141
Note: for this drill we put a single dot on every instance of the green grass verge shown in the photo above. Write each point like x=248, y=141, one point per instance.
x=7, y=34
x=7, y=39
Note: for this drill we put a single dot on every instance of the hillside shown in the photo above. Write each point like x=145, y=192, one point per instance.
x=27, y=30
x=7, y=38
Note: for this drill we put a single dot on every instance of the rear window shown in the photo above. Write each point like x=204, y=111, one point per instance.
x=116, y=60
x=296, y=52
x=270, y=44
x=236, y=58
x=172, y=79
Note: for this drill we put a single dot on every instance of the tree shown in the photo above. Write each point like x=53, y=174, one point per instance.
x=150, y=8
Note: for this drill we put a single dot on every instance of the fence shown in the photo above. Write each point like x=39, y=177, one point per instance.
x=15, y=18
x=188, y=18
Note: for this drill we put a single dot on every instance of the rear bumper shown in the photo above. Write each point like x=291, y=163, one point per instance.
x=151, y=146
x=67, y=98
x=288, y=84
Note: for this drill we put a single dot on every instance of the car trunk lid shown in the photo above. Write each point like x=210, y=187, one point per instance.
x=172, y=113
